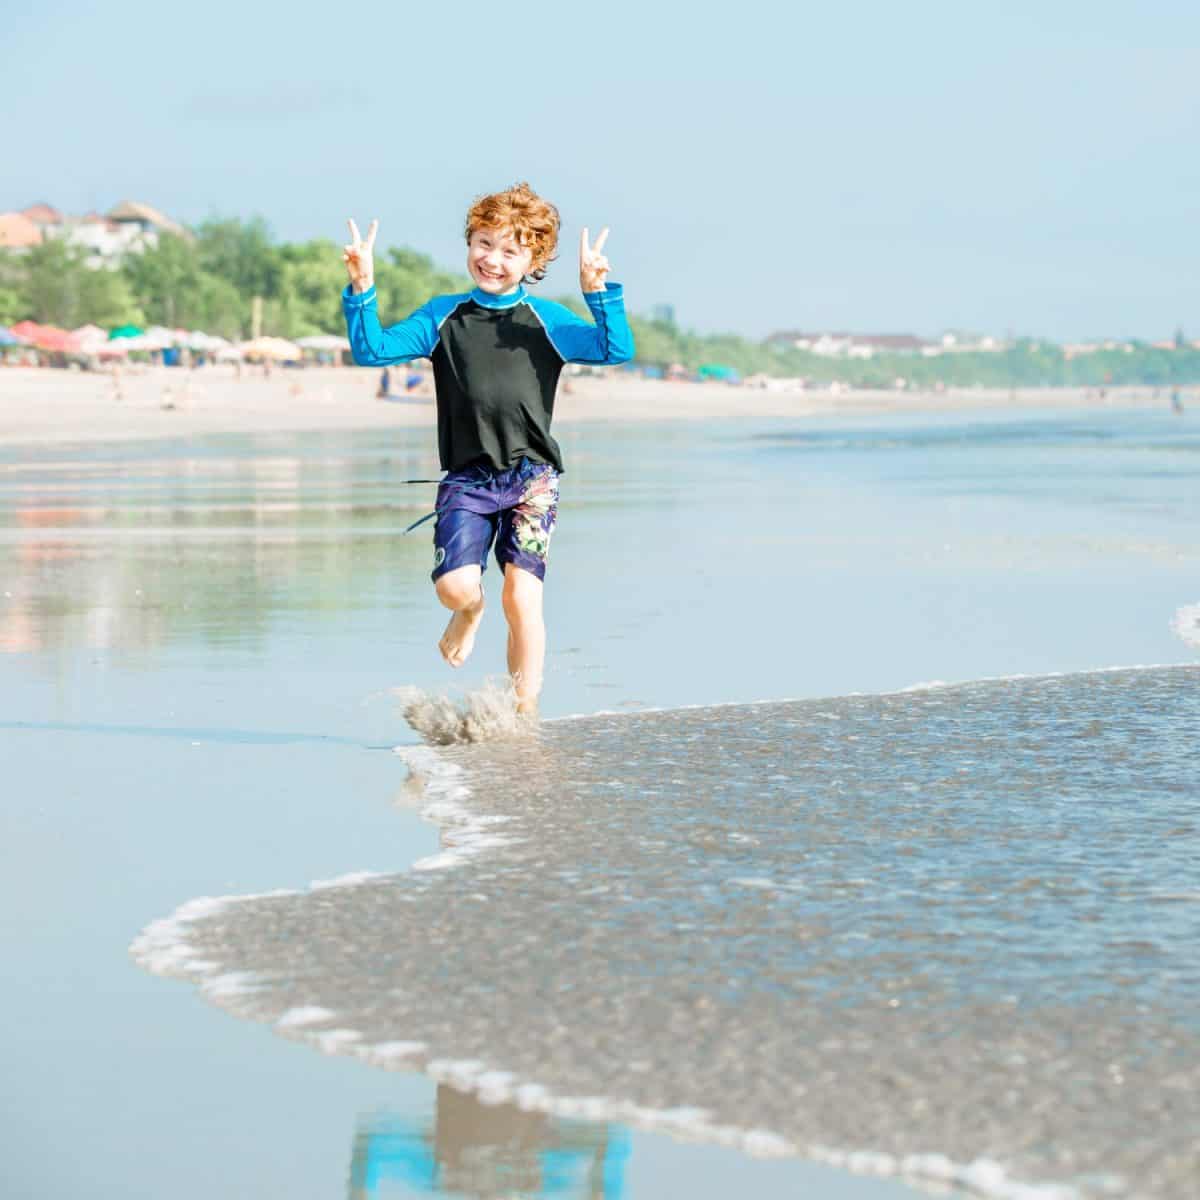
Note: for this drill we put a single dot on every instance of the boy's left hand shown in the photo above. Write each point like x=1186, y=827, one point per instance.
x=593, y=266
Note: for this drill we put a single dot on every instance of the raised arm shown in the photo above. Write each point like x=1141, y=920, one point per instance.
x=371, y=344
x=607, y=338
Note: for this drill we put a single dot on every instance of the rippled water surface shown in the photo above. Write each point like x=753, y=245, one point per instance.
x=963, y=920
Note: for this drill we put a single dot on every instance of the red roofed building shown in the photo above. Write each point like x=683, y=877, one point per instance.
x=43, y=214
x=17, y=232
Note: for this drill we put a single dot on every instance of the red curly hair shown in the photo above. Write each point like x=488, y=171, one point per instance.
x=534, y=223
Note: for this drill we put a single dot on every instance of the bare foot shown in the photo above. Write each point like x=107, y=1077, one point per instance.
x=459, y=639
x=527, y=706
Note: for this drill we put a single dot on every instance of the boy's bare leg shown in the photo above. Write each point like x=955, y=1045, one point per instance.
x=461, y=591
x=526, y=635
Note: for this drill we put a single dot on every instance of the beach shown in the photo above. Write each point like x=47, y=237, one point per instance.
x=771, y=636
x=57, y=405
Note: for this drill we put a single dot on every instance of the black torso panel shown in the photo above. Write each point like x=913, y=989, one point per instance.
x=496, y=372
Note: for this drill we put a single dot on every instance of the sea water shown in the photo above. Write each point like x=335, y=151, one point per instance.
x=203, y=641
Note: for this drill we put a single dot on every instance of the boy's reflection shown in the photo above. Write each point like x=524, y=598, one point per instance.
x=487, y=1150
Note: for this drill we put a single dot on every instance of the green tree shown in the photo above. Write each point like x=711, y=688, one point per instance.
x=311, y=279
x=166, y=279
x=59, y=288
x=13, y=307
x=174, y=290
x=241, y=253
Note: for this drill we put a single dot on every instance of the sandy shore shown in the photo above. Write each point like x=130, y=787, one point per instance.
x=52, y=405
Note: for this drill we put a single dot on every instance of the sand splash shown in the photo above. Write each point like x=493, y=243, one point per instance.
x=487, y=714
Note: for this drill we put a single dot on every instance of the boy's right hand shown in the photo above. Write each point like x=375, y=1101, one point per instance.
x=359, y=256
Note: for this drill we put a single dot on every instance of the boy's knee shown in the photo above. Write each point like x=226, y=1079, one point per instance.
x=458, y=589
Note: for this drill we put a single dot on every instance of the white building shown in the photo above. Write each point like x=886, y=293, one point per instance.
x=129, y=228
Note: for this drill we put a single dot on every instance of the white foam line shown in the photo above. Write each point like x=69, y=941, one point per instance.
x=465, y=834
x=1186, y=624
x=984, y=1177
x=352, y=879
x=233, y=983
x=304, y=1014
x=936, y=684
x=686, y=1123
x=162, y=947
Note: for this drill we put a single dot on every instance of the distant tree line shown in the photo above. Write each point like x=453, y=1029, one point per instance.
x=209, y=282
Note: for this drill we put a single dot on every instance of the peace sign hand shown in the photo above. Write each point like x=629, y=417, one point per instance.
x=359, y=256
x=593, y=266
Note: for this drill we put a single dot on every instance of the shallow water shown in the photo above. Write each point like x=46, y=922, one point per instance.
x=201, y=641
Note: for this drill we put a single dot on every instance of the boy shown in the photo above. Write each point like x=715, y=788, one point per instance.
x=497, y=353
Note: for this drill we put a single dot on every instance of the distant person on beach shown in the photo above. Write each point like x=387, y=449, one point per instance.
x=497, y=354
x=1176, y=401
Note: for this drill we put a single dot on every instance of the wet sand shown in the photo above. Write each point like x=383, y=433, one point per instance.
x=70, y=406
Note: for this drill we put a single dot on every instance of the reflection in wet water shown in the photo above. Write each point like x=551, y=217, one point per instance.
x=484, y=1151
x=198, y=541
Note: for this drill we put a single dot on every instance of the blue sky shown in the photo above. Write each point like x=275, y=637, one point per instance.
x=1031, y=168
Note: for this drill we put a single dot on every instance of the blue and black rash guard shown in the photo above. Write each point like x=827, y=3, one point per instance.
x=496, y=363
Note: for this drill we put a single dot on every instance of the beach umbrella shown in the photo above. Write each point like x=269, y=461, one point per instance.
x=228, y=353
x=324, y=341
x=90, y=338
x=125, y=331
x=156, y=338
x=207, y=342
x=8, y=338
x=719, y=371
x=45, y=337
x=272, y=347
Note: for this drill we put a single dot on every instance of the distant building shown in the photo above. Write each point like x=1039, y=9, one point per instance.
x=18, y=232
x=129, y=228
x=867, y=345
x=957, y=342
x=849, y=345
x=43, y=215
x=664, y=314
x=147, y=220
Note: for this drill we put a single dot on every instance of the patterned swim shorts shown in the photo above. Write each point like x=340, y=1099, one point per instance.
x=515, y=508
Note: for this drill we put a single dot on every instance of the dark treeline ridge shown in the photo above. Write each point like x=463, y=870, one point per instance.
x=208, y=280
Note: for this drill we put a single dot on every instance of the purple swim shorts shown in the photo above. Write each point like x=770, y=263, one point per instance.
x=515, y=508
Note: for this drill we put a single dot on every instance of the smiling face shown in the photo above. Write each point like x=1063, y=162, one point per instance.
x=496, y=261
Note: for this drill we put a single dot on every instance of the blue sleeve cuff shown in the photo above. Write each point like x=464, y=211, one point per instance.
x=353, y=299
x=612, y=291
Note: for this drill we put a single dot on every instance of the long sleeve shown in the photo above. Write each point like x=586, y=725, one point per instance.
x=372, y=345
x=608, y=340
